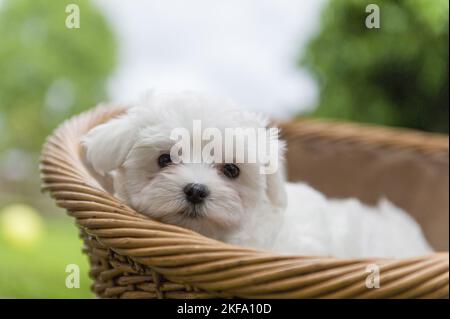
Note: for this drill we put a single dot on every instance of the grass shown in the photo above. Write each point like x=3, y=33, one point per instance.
x=40, y=271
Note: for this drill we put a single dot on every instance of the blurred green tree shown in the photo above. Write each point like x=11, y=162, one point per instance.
x=48, y=71
x=395, y=75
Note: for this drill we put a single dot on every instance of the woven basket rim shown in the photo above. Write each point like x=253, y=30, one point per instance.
x=186, y=257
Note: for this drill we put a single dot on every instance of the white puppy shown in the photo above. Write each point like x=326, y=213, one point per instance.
x=233, y=201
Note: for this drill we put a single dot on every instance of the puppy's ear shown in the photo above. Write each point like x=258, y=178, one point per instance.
x=275, y=182
x=108, y=144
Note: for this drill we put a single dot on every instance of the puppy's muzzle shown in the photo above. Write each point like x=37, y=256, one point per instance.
x=196, y=193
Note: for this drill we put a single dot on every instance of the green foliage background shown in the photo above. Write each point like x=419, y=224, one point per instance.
x=396, y=75
x=49, y=72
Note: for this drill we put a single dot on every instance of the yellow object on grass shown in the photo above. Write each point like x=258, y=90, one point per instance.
x=21, y=225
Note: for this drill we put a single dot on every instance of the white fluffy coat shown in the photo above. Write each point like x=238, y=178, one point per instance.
x=250, y=210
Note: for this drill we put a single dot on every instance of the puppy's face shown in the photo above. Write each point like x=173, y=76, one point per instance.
x=208, y=198
x=211, y=197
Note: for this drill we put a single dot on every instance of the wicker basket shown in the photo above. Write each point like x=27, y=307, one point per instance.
x=132, y=256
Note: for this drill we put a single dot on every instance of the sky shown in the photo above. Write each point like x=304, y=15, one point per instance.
x=244, y=50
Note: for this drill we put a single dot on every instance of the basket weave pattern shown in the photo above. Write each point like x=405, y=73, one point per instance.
x=132, y=256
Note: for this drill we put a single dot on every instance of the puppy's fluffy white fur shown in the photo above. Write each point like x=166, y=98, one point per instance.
x=251, y=210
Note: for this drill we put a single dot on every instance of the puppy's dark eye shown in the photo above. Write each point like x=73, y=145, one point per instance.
x=164, y=160
x=231, y=170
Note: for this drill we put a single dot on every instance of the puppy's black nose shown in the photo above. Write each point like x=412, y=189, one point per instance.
x=196, y=193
